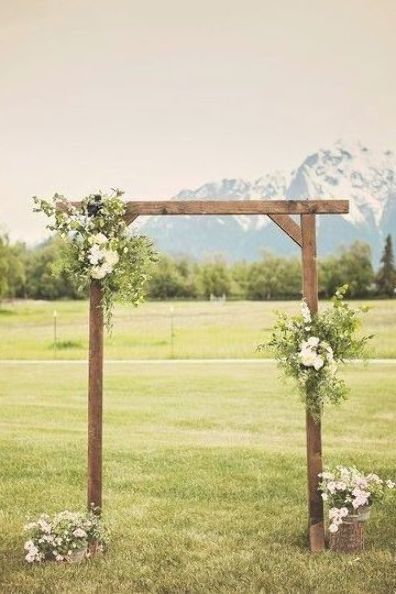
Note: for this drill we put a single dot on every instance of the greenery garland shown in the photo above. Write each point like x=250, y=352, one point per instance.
x=310, y=348
x=98, y=246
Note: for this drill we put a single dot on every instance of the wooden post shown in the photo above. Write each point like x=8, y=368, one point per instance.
x=313, y=428
x=95, y=389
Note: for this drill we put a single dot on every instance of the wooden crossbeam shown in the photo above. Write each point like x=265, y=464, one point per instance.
x=234, y=207
x=289, y=226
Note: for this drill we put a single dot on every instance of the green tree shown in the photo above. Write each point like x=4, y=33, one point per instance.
x=386, y=277
x=42, y=279
x=4, y=266
x=240, y=274
x=274, y=277
x=214, y=278
x=16, y=275
x=351, y=266
x=166, y=281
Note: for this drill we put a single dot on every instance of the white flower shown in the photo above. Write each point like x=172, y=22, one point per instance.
x=390, y=484
x=98, y=272
x=29, y=544
x=79, y=533
x=306, y=314
x=111, y=257
x=374, y=478
x=95, y=255
x=333, y=528
x=100, y=239
x=45, y=527
x=107, y=268
x=361, y=497
x=331, y=487
x=313, y=341
x=318, y=363
x=325, y=496
x=343, y=512
x=308, y=357
x=58, y=558
x=362, y=483
x=334, y=512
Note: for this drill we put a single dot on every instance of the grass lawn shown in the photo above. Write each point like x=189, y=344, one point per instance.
x=200, y=329
x=204, y=469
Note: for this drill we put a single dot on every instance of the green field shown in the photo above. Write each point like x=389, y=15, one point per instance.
x=204, y=477
x=204, y=466
x=200, y=330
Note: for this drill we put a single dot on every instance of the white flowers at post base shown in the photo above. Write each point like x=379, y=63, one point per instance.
x=63, y=537
x=348, y=492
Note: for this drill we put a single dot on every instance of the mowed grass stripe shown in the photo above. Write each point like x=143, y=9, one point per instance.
x=204, y=478
x=201, y=330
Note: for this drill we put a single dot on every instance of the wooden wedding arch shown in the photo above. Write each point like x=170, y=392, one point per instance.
x=304, y=235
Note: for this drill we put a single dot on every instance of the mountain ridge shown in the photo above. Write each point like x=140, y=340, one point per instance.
x=346, y=170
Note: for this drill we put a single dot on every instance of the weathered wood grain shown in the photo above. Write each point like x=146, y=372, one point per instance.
x=313, y=427
x=229, y=207
x=289, y=226
x=95, y=397
x=348, y=539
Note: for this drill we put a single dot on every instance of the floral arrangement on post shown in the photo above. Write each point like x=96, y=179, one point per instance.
x=310, y=348
x=99, y=247
x=68, y=536
x=349, y=494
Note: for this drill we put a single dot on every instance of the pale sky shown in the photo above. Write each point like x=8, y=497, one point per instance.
x=156, y=96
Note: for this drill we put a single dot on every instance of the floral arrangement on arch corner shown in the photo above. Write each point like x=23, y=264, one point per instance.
x=67, y=536
x=310, y=348
x=98, y=246
x=349, y=494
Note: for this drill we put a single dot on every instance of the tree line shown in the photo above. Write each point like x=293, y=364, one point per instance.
x=28, y=272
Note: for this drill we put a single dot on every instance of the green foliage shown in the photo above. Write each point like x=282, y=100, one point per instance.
x=351, y=265
x=386, y=277
x=3, y=267
x=42, y=272
x=173, y=278
x=98, y=247
x=309, y=348
x=12, y=267
x=214, y=278
x=274, y=277
x=47, y=279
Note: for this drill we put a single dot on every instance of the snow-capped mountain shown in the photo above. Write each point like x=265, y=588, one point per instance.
x=349, y=171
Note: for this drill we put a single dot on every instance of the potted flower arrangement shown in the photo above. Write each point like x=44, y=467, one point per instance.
x=310, y=349
x=67, y=536
x=349, y=495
